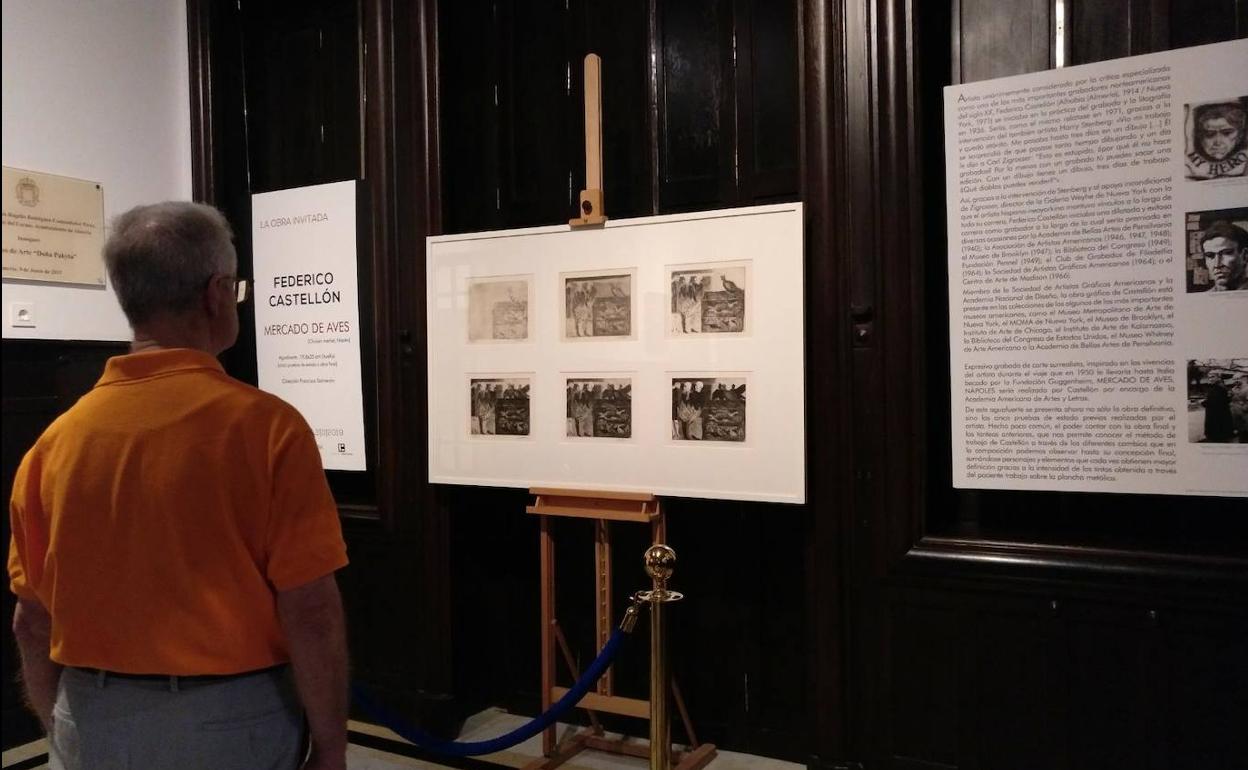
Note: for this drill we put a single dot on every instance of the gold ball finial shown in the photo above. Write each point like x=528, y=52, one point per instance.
x=660, y=561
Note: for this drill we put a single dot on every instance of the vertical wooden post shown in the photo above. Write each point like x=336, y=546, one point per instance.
x=592, y=211
x=603, y=614
x=548, y=630
x=593, y=122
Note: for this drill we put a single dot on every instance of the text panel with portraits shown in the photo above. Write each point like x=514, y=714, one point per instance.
x=1098, y=240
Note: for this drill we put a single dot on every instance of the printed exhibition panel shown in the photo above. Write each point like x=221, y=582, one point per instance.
x=1098, y=235
x=662, y=355
x=307, y=313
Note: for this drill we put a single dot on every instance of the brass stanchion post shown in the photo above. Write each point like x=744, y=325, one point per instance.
x=660, y=561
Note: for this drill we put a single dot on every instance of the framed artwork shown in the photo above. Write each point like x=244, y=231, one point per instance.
x=598, y=304
x=709, y=298
x=499, y=308
x=660, y=354
x=709, y=407
x=599, y=406
x=499, y=406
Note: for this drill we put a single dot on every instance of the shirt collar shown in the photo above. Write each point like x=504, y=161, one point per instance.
x=152, y=363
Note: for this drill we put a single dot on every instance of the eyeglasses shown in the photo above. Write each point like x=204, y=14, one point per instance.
x=242, y=287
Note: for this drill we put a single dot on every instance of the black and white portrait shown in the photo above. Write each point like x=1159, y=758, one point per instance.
x=1217, y=250
x=597, y=305
x=499, y=406
x=708, y=298
x=599, y=407
x=1215, y=142
x=1217, y=401
x=498, y=308
x=708, y=409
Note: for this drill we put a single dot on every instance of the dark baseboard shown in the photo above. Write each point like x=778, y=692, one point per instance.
x=20, y=726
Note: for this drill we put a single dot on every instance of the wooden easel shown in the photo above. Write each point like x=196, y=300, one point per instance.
x=602, y=508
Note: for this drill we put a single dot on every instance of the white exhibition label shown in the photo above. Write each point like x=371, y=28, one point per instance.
x=308, y=314
x=1098, y=301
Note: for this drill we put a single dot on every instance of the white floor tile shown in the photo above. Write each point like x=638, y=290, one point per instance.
x=492, y=723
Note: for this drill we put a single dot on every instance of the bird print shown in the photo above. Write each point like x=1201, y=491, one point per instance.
x=729, y=285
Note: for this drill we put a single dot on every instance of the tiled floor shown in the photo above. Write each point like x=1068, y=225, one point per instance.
x=488, y=724
x=494, y=722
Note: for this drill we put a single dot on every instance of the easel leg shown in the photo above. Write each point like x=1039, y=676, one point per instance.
x=548, y=630
x=602, y=585
x=570, y=661
x=684, y=715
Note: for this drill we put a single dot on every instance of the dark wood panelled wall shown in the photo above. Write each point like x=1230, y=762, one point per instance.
x=892, y=621
x=41, y=380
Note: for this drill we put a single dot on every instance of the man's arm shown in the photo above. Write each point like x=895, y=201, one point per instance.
x=311, y=617
x=32, y=626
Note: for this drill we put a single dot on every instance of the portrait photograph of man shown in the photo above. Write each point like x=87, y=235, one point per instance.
x=1215, y=140
x=1217, y=250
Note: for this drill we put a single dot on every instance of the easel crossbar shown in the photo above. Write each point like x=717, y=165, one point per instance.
x=613, y=506
x=610, y=704
x=579, y=512
x=596, y=494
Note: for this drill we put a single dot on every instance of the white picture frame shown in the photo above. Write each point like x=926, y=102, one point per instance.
x=747, y=452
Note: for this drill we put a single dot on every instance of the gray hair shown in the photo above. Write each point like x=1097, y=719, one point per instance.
x=161, y=257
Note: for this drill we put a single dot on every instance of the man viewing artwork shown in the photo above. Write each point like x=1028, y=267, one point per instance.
x=175, y=540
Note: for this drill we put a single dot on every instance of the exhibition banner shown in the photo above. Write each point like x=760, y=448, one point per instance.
x=1098, y=233
x=304, y=243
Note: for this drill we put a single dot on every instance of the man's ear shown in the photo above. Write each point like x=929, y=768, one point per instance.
x=211, y=300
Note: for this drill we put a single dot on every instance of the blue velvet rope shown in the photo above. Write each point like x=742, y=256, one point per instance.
x=466, y=749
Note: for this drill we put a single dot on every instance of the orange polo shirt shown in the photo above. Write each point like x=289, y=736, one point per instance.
x=156, y=519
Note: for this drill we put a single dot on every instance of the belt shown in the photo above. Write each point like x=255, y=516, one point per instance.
x=173, y=680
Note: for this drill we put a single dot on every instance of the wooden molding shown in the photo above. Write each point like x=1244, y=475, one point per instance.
x=199, y=54
x=1078, y=568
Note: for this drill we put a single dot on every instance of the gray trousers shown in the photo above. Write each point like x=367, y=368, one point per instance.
x=251, y=722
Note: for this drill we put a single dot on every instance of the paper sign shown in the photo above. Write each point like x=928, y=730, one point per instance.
x=307, y=312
